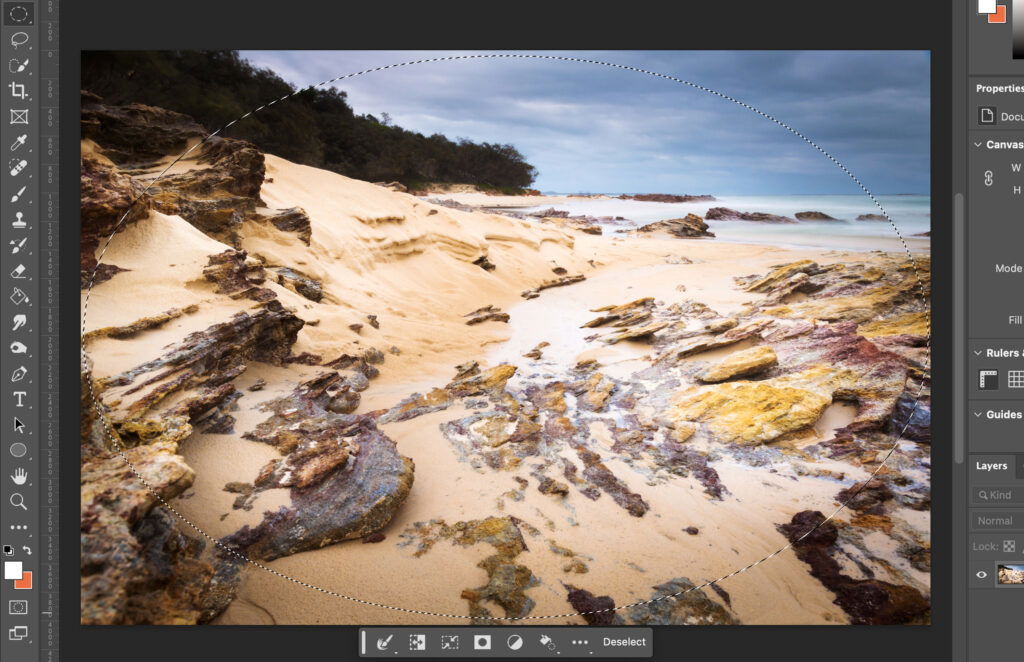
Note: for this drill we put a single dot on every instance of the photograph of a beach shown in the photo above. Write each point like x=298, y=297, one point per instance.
x=489, y=339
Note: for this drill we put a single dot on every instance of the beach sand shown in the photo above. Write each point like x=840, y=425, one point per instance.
x=410, y=264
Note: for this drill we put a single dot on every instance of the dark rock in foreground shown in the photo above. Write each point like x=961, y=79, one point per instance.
x=348, y=482
x=688, y=606
x=866, y=601
x=137, y=565
x=347, y=479
x=595, y=610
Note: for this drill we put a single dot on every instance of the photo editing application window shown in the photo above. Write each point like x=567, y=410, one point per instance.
x=335, y=331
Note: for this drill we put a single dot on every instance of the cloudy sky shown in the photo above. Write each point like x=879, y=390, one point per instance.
x=589, y=128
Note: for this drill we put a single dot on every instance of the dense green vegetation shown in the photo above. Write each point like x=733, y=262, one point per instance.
x=316, y=127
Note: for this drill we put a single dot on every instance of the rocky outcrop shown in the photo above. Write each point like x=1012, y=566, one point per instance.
x=486, y=314
x=300, y=283
x=126, y=331
x=631, y=321
x=346, y=478
x=294, y=220
x=866, y=601
x=484, y=263
x=132, y=143
x=688, y=606
x=135, y=133
x=208, y=358
x=137, y=565
x=689, y=226
x=626, y=314
x=469, y=382
x=595, y=610
x=726, y=214
x=667, y=197
x=216, y=198
x=107, y=196
x=741, y=364
x=813, y=216
x=507, y=578
x=871, y=217
x=237, y=275
x=556, y=282
x=751, y=412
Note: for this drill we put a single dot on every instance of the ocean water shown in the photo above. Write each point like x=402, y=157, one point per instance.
x=910, y=213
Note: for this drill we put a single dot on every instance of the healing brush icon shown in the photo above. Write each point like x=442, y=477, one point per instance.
x=16, y=166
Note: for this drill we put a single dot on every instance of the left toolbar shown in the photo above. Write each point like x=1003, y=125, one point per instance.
x=29, y=75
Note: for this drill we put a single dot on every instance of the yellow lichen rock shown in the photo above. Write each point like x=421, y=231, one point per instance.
x=752, y=413
x=910, y=323
x=780, y=274
x=741, y=364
